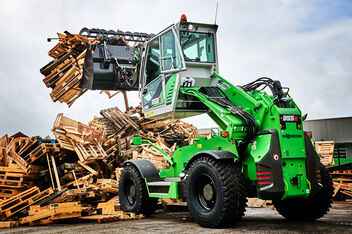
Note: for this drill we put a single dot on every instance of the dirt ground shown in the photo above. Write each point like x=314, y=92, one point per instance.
x=256, y=220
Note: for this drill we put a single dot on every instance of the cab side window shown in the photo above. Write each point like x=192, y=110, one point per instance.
x=152, y=70
x=170, y=53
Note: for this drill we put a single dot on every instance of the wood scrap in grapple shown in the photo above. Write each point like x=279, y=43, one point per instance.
x=76, y=175
x=64, y=73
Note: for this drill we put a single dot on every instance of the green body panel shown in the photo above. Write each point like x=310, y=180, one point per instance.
x=182, y=155
x=170, y=89
x=258, y=149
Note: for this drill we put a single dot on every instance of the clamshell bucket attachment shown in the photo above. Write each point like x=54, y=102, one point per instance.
x=109, y=67
x=111, y=63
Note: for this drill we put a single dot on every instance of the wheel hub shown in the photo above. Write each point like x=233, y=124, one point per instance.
x=208, y=192
x=130, y=192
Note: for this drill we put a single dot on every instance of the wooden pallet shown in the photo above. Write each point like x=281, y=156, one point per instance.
x=89, y=152
x=76, y=130
x=53, y=212
x=326, y=150
x=119, y=119
x=40, y=150
x=21, y=201
x=9, y=224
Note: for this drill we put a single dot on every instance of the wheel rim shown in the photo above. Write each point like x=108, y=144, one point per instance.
x=130, y=192
x=206, y=193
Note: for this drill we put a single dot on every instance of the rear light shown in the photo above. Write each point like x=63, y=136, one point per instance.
x=224, y=134
x=318, y=175
x=263, y=177
x=310, y=134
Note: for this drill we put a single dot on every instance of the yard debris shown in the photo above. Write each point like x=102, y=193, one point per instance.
x=76, y=174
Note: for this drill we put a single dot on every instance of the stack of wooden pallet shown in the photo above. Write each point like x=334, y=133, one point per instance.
x=326, y=150
x=65, y=72
x=20, y=202
x=81, y=167
x=13, y=180
x=342, y=182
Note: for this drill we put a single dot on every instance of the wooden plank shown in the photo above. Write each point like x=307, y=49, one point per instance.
x=55, y=173
x=9, y=224
x=88, y=168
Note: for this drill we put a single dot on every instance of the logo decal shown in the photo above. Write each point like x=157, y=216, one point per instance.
x=288, y=136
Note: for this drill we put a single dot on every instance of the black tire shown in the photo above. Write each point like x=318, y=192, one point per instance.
x=312, y=208
x=216, y=192
x=133, y=194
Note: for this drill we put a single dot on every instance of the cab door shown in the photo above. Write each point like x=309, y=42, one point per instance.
x=162, y=59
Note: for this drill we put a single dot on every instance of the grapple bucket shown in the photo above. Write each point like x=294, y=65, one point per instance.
x=110, y=64
x=109, y=67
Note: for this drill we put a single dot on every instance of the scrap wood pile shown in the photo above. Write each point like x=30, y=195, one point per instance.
x=326, y=150
x=343, y=183
x=76, y=174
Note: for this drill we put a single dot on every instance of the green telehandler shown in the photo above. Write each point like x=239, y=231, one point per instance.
x=261, y=150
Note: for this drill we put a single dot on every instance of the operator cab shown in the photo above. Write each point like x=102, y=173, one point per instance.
x=182, y=55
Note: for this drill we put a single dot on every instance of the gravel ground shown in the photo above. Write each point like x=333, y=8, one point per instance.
x=256, y=220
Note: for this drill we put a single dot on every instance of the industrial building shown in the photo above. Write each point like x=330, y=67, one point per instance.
x=338, y=130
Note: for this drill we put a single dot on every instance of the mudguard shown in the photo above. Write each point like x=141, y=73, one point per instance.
x=216, y=154
x=272, y=168
x=145, y=167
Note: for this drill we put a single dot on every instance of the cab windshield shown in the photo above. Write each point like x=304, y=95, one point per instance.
x=197, y=47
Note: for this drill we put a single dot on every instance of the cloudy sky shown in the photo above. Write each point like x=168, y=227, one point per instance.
x=307, y=45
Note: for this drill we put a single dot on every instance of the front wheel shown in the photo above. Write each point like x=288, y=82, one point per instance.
x=215, y=192
x=311, y=208
x=133, y=194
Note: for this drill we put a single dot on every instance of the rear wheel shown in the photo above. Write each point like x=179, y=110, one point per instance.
x=311, y=208
x=215, y=192
x=133, y=194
